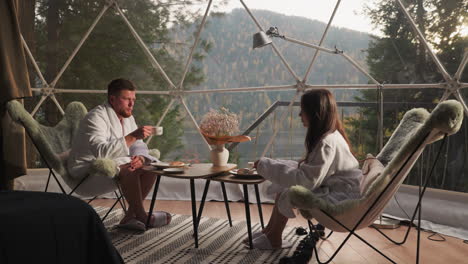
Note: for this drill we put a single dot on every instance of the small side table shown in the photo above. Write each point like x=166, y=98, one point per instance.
x=245, y=181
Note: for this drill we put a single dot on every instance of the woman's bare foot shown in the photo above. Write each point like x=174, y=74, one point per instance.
x=254, y=236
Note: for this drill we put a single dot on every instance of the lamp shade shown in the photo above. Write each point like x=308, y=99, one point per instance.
x=260, y=39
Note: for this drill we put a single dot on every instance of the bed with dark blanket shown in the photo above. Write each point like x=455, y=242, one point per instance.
x=38, y=227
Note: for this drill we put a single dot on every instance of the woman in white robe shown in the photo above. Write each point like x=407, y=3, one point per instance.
x=329, y=168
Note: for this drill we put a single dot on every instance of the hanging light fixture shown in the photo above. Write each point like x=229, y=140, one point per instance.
x=260, y=39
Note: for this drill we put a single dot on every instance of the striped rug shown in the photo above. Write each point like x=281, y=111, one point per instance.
x=174, y=243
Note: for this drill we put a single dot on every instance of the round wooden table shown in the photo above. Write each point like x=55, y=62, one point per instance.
x=192, y=172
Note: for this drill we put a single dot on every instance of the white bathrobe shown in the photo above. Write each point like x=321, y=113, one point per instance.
x=101, y=135
x=331, y=172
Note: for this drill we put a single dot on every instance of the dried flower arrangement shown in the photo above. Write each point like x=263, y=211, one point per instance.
x=220, y=126
x=220, y=123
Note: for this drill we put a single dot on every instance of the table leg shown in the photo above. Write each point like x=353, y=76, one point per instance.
x=259, y=204
x=153, y=200
x=247, y=214
x=194, y=211
x=202, y=204
x=226, y=203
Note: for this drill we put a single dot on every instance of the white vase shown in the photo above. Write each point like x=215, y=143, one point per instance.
x=219, y=155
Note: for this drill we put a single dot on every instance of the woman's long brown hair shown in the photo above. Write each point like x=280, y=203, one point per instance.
x=321, y=111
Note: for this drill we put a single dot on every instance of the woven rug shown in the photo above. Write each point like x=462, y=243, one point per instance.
x=174, y=243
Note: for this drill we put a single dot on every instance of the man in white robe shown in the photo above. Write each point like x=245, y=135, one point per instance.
x=109, y=131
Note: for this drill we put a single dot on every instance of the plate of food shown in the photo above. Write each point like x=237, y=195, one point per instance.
x=245, y=172
x=172, y=164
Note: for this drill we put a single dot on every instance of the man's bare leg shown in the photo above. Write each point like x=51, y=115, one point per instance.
x=131, y=188
x=147, y=180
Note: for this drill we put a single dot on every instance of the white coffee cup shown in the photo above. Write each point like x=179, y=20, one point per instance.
x=157, y=130
x=250, y=164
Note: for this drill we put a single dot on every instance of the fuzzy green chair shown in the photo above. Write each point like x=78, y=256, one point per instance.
x=54, y=144
x=417, y=129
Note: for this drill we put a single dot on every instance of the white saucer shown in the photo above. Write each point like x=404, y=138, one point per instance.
x=173, y=170
x=164, y=165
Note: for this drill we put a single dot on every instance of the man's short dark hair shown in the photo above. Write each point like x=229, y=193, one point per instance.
x=117, y=85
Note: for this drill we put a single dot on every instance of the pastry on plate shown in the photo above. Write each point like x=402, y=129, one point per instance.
x=176, y=163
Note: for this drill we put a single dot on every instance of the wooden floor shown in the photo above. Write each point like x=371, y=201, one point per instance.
x=452, y=250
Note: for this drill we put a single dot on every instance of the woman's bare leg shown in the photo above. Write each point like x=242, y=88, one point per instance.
x=275, y=226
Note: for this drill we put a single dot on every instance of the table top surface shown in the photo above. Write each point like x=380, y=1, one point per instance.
x=195, y=171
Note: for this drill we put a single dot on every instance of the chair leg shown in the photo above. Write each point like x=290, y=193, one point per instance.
x=247, y=214
x=259, y=204
x=122, y=198
x=419, y=234
x=92, y=199
x=226, y=203
x=78, y=185
x=48, y=180
x=56, y=179
x=110, y=210
x=344, y=242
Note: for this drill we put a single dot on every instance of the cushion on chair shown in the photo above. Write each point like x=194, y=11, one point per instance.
x=409, y=124
x=104, y=168
x=155, y=153
x=446, y=118
x=54, y=143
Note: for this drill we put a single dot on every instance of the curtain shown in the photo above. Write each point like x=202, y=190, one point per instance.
x=14, y=83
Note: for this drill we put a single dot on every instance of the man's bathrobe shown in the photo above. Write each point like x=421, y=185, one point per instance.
x=331, y=172
x=101, y=135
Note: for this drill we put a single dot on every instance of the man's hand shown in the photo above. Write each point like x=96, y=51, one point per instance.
x=137, y=162
x=140, y=133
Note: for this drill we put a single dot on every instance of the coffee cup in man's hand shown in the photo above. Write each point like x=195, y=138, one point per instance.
x=157, y=130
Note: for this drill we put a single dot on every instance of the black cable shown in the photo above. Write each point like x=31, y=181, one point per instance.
x=399, y=205
x=430, y=237
x=440, y=239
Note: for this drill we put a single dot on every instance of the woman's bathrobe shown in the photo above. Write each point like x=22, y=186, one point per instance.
x=331, y=172
x=101, y=135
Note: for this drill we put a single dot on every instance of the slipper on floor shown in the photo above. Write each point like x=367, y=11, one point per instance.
x=160, y=218
x=133, y=224
x=262, y=242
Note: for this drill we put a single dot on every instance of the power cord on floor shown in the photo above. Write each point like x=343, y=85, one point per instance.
x=433, y=234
